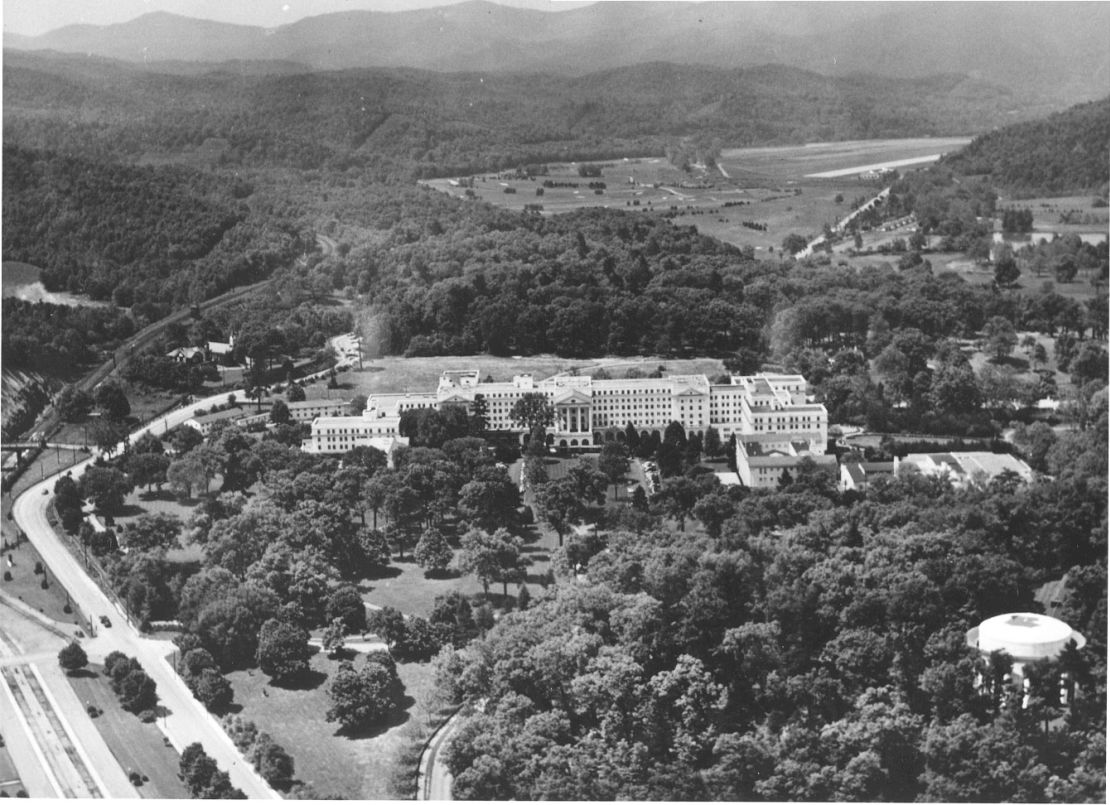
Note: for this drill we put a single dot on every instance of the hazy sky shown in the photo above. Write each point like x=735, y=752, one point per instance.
x=33, y=17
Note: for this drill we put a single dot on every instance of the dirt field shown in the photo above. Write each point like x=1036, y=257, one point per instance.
x=782, y=164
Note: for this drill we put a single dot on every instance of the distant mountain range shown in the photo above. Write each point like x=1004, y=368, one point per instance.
x=1055, y=50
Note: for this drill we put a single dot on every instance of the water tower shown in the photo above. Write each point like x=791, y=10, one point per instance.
x=1026, y=637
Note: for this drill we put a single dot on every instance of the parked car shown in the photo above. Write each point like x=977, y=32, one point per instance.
x=104, y=620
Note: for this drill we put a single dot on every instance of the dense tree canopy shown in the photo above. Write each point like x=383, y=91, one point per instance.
x=810, y=646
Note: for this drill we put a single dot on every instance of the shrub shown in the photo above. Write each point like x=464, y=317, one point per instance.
x=72, y=657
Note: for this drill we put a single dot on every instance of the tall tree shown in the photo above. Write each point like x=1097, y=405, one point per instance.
x=73, y=404
x=152, y=532
x=111, y=400
x=490, y=499
x=481, y=556
x=283, y=650
x=559, y=504
x=533, y=412
x=432, y=552
x=999, y=337
x=105, y=487
x=613, y=463
x=363, y=697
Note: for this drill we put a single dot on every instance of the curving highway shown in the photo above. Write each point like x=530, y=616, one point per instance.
x=49, y=419
x=186, y=721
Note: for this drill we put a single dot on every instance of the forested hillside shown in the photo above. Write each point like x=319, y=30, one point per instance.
x=453, y=277
x=151, y=237
x=404, y=124
x=1068, y=152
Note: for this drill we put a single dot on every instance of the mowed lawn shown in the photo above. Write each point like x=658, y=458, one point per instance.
x=137, y=746
x=404, y=586
x=395, y=374
x=804, y=214
x=26, y=585
x=336, y=764
x=974, y=273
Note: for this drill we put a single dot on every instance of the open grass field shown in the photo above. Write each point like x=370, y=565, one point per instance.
x=405, y=587
x=137, y=746
x=394, y=374
x=337, y=765
x=773, y=186
x=1064, y=214
x=977, y=274
x=26, y=585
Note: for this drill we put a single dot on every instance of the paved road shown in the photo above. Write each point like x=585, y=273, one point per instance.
x=840, y=225
x=435, y=781
x=187, y=721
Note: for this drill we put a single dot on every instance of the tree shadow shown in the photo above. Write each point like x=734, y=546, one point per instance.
x=1011, y=361
x=530, y=534
x=500, y=600
x=158, y=494
x=399, y=716
x=309, y=680
x=389, y=572
x=182, y=500
x=129, y=510
x=82, y=673
x=442, y=575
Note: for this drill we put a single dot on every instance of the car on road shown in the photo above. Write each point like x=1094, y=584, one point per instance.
x=104, y=620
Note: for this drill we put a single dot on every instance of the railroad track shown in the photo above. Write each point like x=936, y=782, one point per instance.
x=64, y=765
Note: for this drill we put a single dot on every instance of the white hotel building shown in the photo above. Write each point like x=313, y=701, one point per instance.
x=762, y=408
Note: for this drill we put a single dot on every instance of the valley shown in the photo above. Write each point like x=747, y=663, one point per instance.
x=628, y=401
